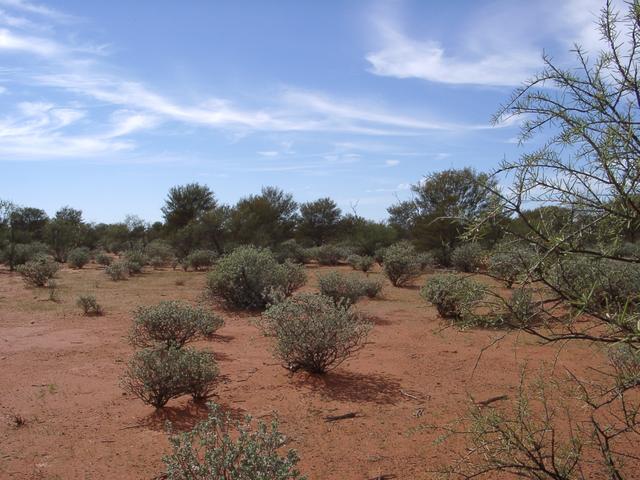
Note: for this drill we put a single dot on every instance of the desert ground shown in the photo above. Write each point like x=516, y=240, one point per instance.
x=61, y=369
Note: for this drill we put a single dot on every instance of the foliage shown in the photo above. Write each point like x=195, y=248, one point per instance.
x=158, y=375
x=454, y=297
x=468, y=257
x=16, y=254
x=78, y=257
x=248, y=276
x=135, y=259
x=342, y=289
x=511, y=264
x=172, y=324
x=328, y=254
x=219, y=447
x=401, y=264
x=371, y=287
x=319, y=221
x=312, y=333
x=292, y=251
x=104, y=259
x=201, y=259
x=117, y=271
x=160, y=253
x=64, y=232
x=359, y=262
x=187, y=203
x=38, y=272
x=89, y=305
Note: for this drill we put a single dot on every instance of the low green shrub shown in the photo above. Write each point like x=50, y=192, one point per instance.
x=468, y=257
x=172, y=324
x=521, y=310
x=158, y=375
x=312, y=333
x=159, y=253
x=342, y=289
x=220, y=448
x=117, y=271
x=372, y=287
x=328, y=254
x=104, y=259
x=22, y=253
x=249, y=277
x=599, y=285
x=89, y=305
x=401, y=264
x=292, y=251
x=201, y=259
x=37, y=272
x=135, y=259
x=454, y=297
x=359, y=262
x=78, y=257
x=511, y=265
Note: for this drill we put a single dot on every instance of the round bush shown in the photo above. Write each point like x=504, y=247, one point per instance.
x=249, y=277
x=454, y=297
x=135, y=259
x=291, y=251
x=37, y=272
x=89, y=305
x=23, y=252
x=199, y=259
x=172, y=324
x=220, y=448
x=468, y=257
x=359, y=262
x=312, y=333
x=328, y=255
x=160, y=253
x=401, y=264
x=158, y=375
x=117, y=271
x=511, y=265
x=104, y=259
x=78, y=257
x=342, y=289
x=372, y=287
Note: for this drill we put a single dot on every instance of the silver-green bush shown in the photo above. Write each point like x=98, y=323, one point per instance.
x=171, y=324
x=201, y=259
x=104, y=259
x=401, y=264
x=511, y=264
x=342, y=289
x=454, y=297
x=249, y=276
x=468, y=257
x=78, y=257
x=37, y=272
x=220, y=448
x=312, y=333
x=328, y=254
x=117, y=271
x=359, y=262
x=158, y=375
x=89, y=305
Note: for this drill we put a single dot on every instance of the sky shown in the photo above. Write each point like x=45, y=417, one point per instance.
x=104, y=106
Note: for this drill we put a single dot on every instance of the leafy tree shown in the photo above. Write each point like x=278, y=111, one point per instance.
x=187, y=203
x=264, y=220
x=64, y=232
x=319, y=221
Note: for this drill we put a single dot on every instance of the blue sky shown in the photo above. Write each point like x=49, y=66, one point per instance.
x=106, y=105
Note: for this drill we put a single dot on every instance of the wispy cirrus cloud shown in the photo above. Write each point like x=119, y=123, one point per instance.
x=499, y=47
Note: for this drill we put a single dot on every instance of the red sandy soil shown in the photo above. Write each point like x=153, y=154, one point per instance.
x=60, y=371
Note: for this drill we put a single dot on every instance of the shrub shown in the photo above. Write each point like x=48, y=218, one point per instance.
x=135, y=259
x=312, y=333
x=54, y=295
x=78, y=257
x=455, y=297
x=511, y=265
x=328, y=255
x=372, y=287
x=89, y=305
x=160, y=253
x=359, y=262
x=117, y=271
x=426, y=260
x=23, y=252
x=599, y=285
x=342, y=289
x=218, y=447
x=379, y=255
x=201, y=259
x=248, y=277
x=468, y=257
x=104, y=259
x=292, y=251
x=38, y=272
x=401, y=264
x=172, y=324
x=521, y=311
x=158, y=375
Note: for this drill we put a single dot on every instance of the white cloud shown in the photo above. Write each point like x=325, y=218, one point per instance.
x=37, y=9
x=268, y=153
x=392, y=163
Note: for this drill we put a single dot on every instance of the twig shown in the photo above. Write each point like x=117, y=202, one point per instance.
x=402, y=392
x=333, y=418
x=491, y=400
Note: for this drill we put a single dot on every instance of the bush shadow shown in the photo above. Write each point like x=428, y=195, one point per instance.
x=352, y=387
x=185, y=417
